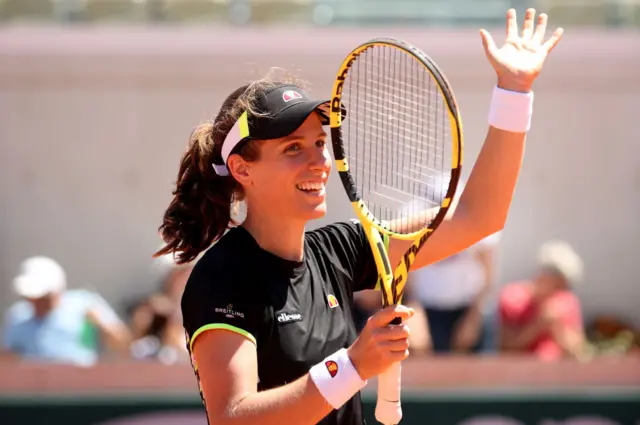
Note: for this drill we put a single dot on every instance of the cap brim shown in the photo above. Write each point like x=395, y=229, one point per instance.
x=31, y=287
x=290, y=119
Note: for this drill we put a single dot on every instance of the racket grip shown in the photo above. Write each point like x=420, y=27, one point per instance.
x=388, y=407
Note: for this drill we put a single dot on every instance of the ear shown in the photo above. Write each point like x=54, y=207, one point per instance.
x=239, y=169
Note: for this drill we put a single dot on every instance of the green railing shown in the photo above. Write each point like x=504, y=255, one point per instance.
x=444, y=408
x=443, y=13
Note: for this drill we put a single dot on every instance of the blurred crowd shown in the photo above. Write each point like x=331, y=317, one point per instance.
x=461, y=309
x=54, y=323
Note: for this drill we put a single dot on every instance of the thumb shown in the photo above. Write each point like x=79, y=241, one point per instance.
x=487, y=41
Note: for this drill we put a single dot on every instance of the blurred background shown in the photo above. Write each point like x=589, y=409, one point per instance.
x=539, y=324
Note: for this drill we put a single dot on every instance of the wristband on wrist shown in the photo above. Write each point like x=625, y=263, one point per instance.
x=510, y=110
x=336, y=378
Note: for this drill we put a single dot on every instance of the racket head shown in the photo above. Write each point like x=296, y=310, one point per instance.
x=350, y=75
x=388, y=117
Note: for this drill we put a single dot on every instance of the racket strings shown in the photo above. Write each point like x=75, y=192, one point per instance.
x=397, y=137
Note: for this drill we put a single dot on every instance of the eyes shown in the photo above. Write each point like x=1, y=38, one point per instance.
x=297, y=146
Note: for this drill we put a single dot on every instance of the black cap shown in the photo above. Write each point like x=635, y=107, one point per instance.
x=281, y=110
x=286, y=107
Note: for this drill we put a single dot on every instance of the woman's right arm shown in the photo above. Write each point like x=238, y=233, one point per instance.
x=228, y=369
x=228, y=372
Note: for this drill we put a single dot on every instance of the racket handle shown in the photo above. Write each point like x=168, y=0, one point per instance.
x=388, y=408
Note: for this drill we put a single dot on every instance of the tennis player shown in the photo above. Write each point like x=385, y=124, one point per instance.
x=267, y=309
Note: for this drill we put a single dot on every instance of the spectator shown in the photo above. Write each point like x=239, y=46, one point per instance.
x=452, y=294
x=156, y=321
x=54, y=324
x=543, y=316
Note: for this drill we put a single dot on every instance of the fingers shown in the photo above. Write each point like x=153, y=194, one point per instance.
x=512, y=24
x=541, y=29
x=398, y=356
x=393, y=342
x=392, y=333
x=386, y=315
x=487, y=41
x=400, y=345
x=532, y=35
x=527, y=27
x=553, y=41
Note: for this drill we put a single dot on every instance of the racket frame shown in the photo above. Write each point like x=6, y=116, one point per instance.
x=392, y=283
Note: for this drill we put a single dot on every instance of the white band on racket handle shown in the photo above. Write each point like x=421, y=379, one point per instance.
x=336, y=378
x=388, y=407
x=510, y=110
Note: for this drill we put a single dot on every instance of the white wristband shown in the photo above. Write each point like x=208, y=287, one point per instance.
x=336, y=378
x=510, y=110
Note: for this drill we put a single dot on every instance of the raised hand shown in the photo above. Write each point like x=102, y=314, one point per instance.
x=519, y=61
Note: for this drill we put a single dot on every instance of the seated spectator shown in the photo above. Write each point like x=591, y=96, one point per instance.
x=156, y=321
x=543, y=316
x=55, y=324
x=453, y=294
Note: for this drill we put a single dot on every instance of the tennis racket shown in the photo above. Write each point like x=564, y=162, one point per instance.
x=398, y=152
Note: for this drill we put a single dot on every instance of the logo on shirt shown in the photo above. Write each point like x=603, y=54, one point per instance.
x=285, y=317
x=333, y=301
x=332, y=367
x=229, y=312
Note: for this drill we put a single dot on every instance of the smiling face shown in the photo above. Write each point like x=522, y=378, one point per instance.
x=289, y=178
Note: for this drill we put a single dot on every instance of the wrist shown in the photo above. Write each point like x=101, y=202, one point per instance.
x=514, y=85
x=510, y=110
x=355, y=361
x=336, y=378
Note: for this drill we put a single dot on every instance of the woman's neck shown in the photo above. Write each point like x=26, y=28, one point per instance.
x=286, y=240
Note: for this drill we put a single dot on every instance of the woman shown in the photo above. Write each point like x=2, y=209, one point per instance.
x=543, y=316
x=267, y=309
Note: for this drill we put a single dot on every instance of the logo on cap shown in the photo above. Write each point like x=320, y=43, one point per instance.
x=290, y=95
x=333, y=301
x=332, y=367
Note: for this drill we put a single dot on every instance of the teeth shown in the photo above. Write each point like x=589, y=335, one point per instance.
x=311, y=186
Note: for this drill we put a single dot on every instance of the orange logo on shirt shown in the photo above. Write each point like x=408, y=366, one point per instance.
x=333, y=301
x=332, y=367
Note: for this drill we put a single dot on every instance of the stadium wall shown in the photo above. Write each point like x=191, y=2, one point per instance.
x=93, y=121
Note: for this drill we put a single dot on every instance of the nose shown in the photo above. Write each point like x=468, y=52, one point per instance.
x=320, y=160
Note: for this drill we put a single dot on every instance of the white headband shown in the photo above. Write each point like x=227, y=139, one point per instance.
x=238, y=132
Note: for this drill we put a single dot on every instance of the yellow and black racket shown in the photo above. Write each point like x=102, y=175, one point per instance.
x=398, y=152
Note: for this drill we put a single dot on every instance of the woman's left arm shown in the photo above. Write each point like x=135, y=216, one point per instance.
x=485, y=201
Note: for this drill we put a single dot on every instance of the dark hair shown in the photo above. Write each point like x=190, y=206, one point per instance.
x=200, y=212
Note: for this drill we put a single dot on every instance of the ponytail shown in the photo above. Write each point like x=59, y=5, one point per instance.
x=200, y=211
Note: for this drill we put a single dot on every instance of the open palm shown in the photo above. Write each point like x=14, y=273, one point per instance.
x=519, y=61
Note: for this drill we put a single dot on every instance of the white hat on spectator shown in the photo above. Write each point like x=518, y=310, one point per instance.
x=560, y=256
x=39, y=276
